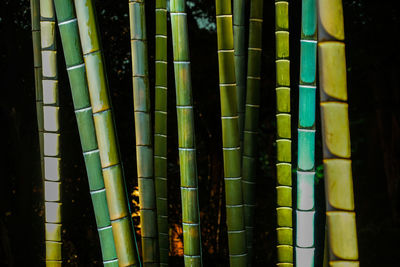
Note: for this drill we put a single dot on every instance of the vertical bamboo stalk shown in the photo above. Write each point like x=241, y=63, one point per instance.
x=186, y=135
x=68, y=27
x=283, y=142
x=114, y=182
x=230, y=136
x=160, y=130
x=340, y=215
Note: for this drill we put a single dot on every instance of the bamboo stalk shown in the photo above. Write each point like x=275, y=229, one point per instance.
x=340, y=214
x=114, y=182
x=249, y=158
x=230, y=136
x=160, y=130
x=68, y=27
x=283, y=142
x=186, y=135
x=305, y=213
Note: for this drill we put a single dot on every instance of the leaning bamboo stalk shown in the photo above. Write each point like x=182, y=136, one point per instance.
x=283, y=142
x=114, y=183
x=186, y=135
x=340, y=215
x=251, y=120
x=230, y=136
x=68, y=27
x=160, y=130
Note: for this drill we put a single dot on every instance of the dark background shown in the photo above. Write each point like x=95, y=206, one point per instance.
x=373, y=85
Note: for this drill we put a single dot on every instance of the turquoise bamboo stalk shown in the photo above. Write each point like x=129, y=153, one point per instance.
x=117, y=200
x=305, y=213
x=160, y=130
x=340, y=214
x=283, y=142
x=251, y=120
x=230, y=136
x=68, y=27
x=186, y=135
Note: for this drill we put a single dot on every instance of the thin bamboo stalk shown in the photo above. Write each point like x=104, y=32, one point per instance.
x=186, y=135
x=305, y=213
x=340, y=215
x=114, y=182
x=251, y=120
x=230, y=136
x=283, y=119
x=160, y=130
x=68, y=27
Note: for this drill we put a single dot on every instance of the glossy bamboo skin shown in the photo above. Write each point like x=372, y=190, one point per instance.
x=186, y=135
x=283, y=142
x=305, y=212
x=160, y=130
x=143, y=131
x=68, y=27
x=114, y=183
x=230, y=136
x=340, y=215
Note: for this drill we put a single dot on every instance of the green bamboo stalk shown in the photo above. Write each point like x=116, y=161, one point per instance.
x=230, y=136
x=283, y=118
x=68, y=27
x=305, y=212
x=251, y=120
x=144, y=146
x=186, y=135
x=117, y=200
x=51, y=135
x=160, y=130
x=340, y=215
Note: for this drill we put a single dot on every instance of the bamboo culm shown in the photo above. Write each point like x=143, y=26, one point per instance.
x=340, y=214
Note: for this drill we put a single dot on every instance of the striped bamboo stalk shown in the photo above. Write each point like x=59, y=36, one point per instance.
x=114, y=182
x=305, y=213
x=51, y=135
x=230, y=136
x=251, y=120
x=160, y=130
x=283, y=142
x=340, y=215
x=186, y=135
x=68, y=27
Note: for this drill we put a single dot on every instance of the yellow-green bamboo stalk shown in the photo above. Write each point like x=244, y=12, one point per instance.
x=117, y=199
x=51, y=135
x=186, y=135
x=160, y=130
x=340, y=215
x=230, y=136
x=283, y=142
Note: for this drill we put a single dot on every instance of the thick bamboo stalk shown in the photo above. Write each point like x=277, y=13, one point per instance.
x=114, y=183
x=230, y=136
x=283, y=142
x=305, y=210
x=160, y=130
x=340, y=215
x=68, y=27
x=251, y=120
x=186, y=135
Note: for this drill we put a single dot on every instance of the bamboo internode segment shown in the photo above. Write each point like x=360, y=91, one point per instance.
x=186, y=135
x=305, y=212
x=114, y=183
x=251, y=120
x=68, y=27
x=230, y=136
x=283, y=120
x=160, y=130
x=340, y=215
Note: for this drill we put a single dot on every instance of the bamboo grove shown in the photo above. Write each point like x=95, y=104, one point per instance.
x=239, y=51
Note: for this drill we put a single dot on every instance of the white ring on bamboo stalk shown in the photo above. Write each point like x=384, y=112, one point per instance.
x=254, y=48
x=232, y=178
x=109, y=261
x=231, y=148
x=224, y=16
x=306, y=172
x=160, y=111
x=193, y=224
x=162, y=135
x=282, y=59
x=161, y=35
x=252, y=105
x=104, y=228
x=249, y=205
x=161, y=9
x=248, y=182
x=181, y=62
x=229, y=117
x=256, y=20
x=186, y=148
x=253, y=77
x=189, y=107
x=234, y=206
x=161, y=61
x=178, y=13
x=235, y=231
x=161, y=178
x=161, y=87
x=191, y=256
x=76, y=66
x=227, y=84
x=91, y=152
x=82, y=109
x=189, y=188
x=97, y=191
x=237, y=255
x=67, y=21
x=308, y=41
x=225, y=50
x=306, y=130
